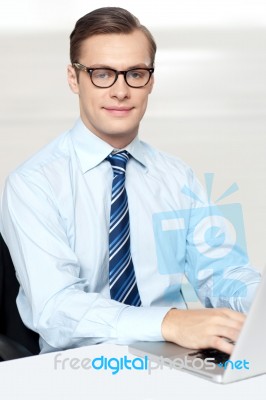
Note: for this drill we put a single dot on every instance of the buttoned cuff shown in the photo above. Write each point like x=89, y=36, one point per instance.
x=141, y=323
x=244, y=303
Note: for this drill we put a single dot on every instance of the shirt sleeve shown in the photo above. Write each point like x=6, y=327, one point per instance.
x=54, y=300
x=217, y=263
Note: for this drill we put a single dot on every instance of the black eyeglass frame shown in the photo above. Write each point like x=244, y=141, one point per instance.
x=89, y=70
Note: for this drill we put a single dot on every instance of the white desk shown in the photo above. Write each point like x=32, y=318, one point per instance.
x=37, y=378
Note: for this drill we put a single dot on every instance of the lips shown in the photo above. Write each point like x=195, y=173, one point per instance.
x=118, y=110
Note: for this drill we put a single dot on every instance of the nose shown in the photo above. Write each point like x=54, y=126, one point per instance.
x=120, y=89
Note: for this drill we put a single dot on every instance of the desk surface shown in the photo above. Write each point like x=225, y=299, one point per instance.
x=50, y=376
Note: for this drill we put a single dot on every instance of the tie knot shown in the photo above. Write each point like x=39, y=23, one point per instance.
x=119, y=161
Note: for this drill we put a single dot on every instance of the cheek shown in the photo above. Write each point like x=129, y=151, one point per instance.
x=143, y=100
x=88, y=100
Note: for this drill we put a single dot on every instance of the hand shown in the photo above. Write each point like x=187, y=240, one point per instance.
x=201, y=329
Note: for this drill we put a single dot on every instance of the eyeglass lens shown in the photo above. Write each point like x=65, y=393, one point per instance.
x=106, y=77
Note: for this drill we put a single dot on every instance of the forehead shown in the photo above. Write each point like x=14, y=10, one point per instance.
x=116, y=50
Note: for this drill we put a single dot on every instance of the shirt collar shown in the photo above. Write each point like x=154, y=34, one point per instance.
x=91, y=150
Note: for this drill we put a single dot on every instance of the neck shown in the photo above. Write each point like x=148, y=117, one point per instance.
x=116, y=140
x=118, y=143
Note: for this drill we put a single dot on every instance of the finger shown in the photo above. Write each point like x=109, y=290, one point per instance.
x=221, y=344
x=227, y=333
x=234, y=315
x=229, y=323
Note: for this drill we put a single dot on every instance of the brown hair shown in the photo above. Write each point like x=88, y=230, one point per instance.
x=106, y=20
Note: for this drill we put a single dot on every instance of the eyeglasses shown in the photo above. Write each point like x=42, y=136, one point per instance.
x=106, y=77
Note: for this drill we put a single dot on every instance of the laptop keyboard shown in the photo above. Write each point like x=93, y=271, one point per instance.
x=219, y=356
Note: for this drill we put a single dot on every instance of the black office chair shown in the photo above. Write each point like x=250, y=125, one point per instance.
x=16, y=340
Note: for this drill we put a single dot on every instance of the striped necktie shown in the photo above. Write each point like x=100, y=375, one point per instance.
x=122, y=279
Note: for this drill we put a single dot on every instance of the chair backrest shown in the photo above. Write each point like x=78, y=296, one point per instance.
x=11, y=324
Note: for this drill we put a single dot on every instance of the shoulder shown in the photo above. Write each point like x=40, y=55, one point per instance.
x=173, y=173
x=49, y=157
x=158, y=160
x=43, y=173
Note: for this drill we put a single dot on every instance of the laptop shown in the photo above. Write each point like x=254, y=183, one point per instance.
x=247, y=360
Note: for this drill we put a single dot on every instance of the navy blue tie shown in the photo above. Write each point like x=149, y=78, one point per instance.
x=122, y=279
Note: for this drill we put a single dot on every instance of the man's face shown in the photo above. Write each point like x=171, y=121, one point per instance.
x=112, y=113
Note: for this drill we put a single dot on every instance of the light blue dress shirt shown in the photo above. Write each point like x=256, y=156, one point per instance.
x=55, y=219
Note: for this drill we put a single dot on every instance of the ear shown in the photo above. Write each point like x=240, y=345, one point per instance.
x=72, y=79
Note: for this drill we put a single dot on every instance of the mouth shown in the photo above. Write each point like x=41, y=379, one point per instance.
x=118, y=111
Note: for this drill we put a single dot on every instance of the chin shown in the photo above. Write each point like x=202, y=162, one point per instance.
x=121, y=131
x=120, y=138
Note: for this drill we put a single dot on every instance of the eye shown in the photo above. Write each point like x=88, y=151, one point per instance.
x=137, y=74
x=103, y=74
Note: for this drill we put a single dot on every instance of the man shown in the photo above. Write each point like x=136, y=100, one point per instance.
x=80, y=216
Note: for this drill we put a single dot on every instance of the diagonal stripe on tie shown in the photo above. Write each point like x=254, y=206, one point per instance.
x=117, y=220
x=119, y=273
x=120, y=239
x=122, y=279
x=120, y=265
x=122, y=247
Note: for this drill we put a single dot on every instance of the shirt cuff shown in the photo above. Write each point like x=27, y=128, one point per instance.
x=141, y=323
x=244, y=303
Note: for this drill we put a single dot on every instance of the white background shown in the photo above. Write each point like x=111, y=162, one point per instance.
x=209, y=102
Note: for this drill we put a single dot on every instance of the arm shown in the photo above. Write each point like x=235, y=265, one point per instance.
x=54, y=300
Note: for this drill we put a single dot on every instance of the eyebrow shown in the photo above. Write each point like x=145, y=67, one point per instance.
x=141, y=65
